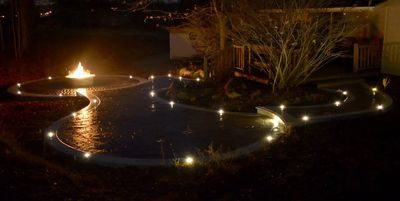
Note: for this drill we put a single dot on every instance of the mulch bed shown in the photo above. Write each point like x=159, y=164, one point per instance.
x=244, y=96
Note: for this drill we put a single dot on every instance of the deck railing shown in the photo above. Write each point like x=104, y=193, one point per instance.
x=239, y=57
x=367, y=57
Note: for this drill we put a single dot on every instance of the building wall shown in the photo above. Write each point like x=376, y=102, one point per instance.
x=391, y=42
x=180, y=46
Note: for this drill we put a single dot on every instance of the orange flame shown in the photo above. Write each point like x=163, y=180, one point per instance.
x=79, y=73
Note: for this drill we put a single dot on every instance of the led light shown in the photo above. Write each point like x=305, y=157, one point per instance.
x=189, y=160
x=344, y=92
x=282, y=107
x=275, y=121
x=269, y=138
x=49, y=78
x=87, y=155
x=180, y=78
x=337, y=103
x=152, y=93
x=19, y=84
x=198, y=79
x=374, y=89
x=50, y=134
x=19, y=92
x=275, y=129
x=94, y=100
x=220, y=112
x=379, y=107
x=172, y=103
x=305, y=118
x=169, y=75
x=130, y=76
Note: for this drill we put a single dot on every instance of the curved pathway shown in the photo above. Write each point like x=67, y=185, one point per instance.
x=127, y=124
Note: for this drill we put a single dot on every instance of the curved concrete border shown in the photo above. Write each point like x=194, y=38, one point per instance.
x=109, y=160
x=271, y=112
x=387, y=101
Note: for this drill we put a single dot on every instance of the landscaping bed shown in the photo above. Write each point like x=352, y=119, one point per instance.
x=243, y=96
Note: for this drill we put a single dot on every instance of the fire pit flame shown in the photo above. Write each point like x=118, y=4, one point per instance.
x=80, y=73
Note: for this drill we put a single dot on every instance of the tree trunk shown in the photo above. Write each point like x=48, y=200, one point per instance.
x=21, y=11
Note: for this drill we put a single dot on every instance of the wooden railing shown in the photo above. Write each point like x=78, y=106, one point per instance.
x=367, y=57
x=239, y=57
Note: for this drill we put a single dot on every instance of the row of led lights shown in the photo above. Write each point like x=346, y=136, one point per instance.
x=306, y=118
x=189, y=160
x=180, y=78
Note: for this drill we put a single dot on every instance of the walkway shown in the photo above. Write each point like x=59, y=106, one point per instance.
x=127, y=124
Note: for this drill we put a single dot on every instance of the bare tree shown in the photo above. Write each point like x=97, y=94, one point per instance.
x=291, y=39
x=201, y=26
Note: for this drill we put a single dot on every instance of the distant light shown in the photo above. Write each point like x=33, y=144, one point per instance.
x=152, y=93
x=19, y=84
x=74, y=114
x=130, y=76
x=49, y=78
x=220, y=112
x=60, y=95
x=189, y=160
x=198, y=79
x=337, y=103
x=379, y=107
x=282, y=107
x=172, y=103
x=269, y=138
x=180, y=78
x=344, y=92
x=169, y=75
x=87, y=155
x=374, y=89
x=305, y=118
x=18, y=92
x=152, y=77
x=94, y=100
x=50, y=134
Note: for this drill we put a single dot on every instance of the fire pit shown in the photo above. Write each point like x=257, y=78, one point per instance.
x=80, y=77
